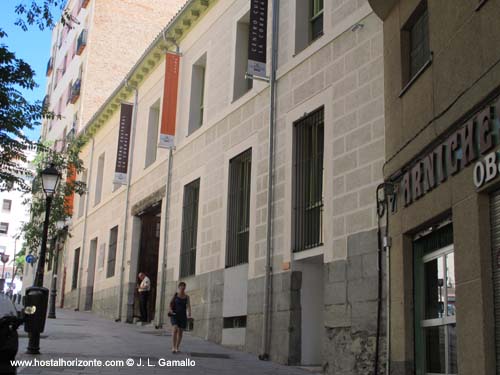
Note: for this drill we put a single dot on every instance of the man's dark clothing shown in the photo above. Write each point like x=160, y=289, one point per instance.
x=143, y=303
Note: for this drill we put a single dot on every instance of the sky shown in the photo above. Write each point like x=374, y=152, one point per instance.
x=33, y=46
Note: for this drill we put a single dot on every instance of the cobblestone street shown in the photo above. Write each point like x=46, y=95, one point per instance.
x=87, y=337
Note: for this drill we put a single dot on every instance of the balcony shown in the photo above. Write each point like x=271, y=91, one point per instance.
x=75, y=91
x=81, y=43
x=50, y=67
x=85, y=3
x=45, y=103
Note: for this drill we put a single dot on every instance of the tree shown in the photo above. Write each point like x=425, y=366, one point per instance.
x=70, y=164
x=16, y=113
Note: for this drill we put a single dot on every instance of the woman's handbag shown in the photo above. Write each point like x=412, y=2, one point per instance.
x=172, y=306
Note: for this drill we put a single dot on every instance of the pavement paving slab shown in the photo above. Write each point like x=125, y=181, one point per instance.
x=130, y=349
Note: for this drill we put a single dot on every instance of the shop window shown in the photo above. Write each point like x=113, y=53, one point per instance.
x=197, y=103
x=308, y=181
x=241, y=84
x=76, y=265
x=189, y=228
x=415, y=43
x=238, y=217
x=4, y=228
x=99, y=179
x=113, y=240
x=435, y=303
x=152, y=134
x=308, y=22
x=7, y=205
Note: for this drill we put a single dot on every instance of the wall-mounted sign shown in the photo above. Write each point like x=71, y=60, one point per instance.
x=257, y=38
x=30, y=259
x=123, y=144
x=169, y=107
x=474, y=140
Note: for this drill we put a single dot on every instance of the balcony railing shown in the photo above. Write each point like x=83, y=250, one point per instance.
x=75, y=91
x=82, y=42
x=50, y=66
x=46, y=103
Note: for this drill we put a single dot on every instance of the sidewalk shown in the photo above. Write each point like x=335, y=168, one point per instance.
x=84, y=336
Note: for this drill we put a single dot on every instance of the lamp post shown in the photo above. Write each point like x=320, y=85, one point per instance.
x=53, y=286
x=50, y=181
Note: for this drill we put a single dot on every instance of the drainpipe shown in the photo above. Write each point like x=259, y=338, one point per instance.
x=168, y=189
x=387, y=246
x=266, y=334
x=127, y=200
x=84, y=236
x=383, y=194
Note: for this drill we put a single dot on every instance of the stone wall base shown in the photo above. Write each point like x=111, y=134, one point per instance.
x=351, y=304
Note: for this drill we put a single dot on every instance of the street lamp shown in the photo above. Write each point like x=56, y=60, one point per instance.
x=53, y=286
x=50, y=181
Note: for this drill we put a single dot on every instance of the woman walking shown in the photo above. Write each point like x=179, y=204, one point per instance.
x=180, y=312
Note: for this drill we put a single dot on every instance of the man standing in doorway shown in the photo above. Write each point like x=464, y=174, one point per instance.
x=144, y=290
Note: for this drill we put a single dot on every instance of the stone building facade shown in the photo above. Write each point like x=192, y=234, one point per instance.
x=324, y=266
x=442, y=87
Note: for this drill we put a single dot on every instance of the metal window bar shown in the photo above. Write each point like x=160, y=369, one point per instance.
x=113, y=239
x=238, y=222
x=76, y=265
x=189, y=228
x=308, y=165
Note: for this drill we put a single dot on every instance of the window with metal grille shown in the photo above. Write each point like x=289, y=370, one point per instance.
x=238, y=218
x=189, y=228
x=113, y=239
x=76, y=265
x=308, y=181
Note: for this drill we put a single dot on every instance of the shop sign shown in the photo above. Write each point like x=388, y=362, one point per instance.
x=472, y=143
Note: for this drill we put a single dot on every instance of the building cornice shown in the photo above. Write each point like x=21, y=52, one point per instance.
x=177, y=28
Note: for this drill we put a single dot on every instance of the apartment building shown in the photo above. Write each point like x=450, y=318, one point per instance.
x=91, y=52
x=442, y=87
x=13, y=213
x=198, y=212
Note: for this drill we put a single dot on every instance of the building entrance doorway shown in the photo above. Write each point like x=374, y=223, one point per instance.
x=312, y=306
x=148, y=255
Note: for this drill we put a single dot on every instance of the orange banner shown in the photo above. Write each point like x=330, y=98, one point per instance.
x=169, y=108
